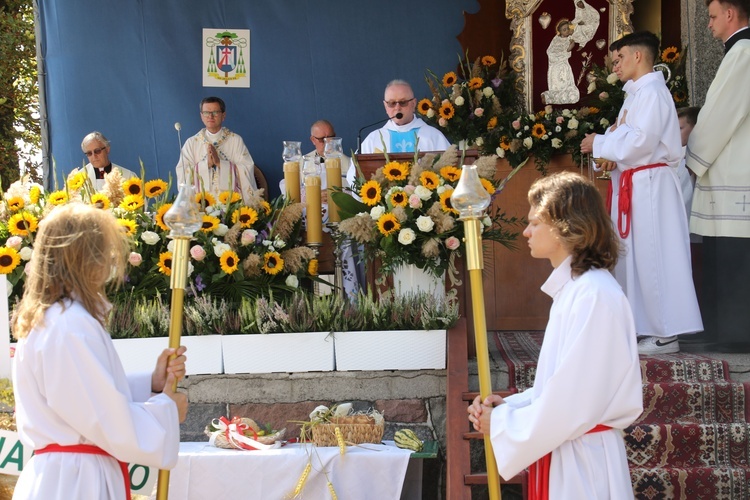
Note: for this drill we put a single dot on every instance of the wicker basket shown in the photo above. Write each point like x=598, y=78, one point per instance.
x=356, y=429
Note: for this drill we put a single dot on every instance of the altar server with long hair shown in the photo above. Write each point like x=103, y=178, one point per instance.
x=75, y=406
x=567, y=428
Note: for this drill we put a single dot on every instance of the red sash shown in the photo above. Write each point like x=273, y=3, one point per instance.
x=538, y=481
x=89, y=450
x=626, y=196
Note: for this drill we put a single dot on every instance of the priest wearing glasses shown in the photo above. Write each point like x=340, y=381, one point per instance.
x=96, y=148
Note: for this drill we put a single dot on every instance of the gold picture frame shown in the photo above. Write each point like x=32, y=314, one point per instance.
x=520, y=14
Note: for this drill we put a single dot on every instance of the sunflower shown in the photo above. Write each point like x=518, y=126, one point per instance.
x=246, y=216
x=133, y=186
x=399, y=199
x=449, y=79
x=670, y=54
x=155, y=188
x=209, y=223
x=505, y=142
x=476, y=83
x=487, y=185
x=22, y=224
x=396, y=171
x=58, y=198
x=679, y=96
x=446, y=111
x=132, y=202
x=100, y=200
x=430, y=180
x=9, y=260
x=266, y=207
x=492, y=123
x=538, y=130
x=129, y=225
x=370, y=193
x=593, y=110
x=206, y=198
x=445, y=202
x=75, y=182
x=34, y=194
x=227, y=197
x=229, y=261
x=165, y=263
x=273, y=263
x=159, y=217
x=450, y=174
x=488, y=61
x=388, y=224
x=312, y=267
x=424, y=106
x=15, y=203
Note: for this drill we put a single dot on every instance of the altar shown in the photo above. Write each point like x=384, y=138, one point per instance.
x=203, y=471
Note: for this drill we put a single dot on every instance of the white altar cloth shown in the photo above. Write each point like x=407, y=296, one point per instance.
x=204, y=472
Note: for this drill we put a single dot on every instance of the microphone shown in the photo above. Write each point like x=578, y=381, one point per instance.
x=397, y=116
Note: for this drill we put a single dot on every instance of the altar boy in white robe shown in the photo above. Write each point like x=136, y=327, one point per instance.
x=567, y=428
x=655, y=270
x=75, y=407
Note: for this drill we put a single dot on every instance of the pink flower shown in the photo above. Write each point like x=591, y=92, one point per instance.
x=409, y=189
x=479, y=112
x=559, y=120
x=443, y=122
x=14, y=242
x=197, y=252
x=452, y=243
x=516, y=124
x=415, y=201
x=603, y=96
x=248, y=236
x=135, y=259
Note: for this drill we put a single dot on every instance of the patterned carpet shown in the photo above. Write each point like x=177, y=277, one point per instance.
x=692, y=440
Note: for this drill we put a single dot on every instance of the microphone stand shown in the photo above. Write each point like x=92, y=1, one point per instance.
x=397, y=116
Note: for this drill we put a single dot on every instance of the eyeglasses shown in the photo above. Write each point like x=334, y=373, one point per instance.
x=94, y=152
x=211, y=113
x=321, y=139
x=393, y=104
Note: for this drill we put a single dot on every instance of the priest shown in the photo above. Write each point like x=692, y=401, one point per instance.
x=96, y=147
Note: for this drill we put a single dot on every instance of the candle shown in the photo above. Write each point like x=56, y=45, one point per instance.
x=333, y=179
x=291, y=180
x=314, y=210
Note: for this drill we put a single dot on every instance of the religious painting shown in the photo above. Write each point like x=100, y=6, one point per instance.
x=226, y=56
x=555, y=42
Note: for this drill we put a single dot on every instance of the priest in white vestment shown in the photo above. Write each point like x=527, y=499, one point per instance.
x=588, y=385
x=719, y=154
x=75, y=406
x=216, y=159
x=96, y=147
x=655, y=270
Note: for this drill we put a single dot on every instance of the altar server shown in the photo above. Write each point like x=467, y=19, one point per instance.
x=216, y=159
x=647, y=206
x=567, y=428
x=75, y=406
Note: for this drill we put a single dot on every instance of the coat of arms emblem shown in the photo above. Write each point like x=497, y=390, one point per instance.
x=224, y=60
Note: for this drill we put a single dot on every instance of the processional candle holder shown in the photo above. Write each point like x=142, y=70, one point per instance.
x=333, y=152
x=471, y=200
x=183, y=219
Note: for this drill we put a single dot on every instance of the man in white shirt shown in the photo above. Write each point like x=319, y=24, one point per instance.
x=216, y=159
x=96, y=148
x=655, y=271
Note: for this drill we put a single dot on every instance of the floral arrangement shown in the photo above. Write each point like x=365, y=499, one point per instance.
x=467, y=105
x=241, y=250
x=405, y=214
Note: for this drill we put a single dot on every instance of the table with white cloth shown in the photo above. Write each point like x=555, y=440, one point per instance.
x=367, y=471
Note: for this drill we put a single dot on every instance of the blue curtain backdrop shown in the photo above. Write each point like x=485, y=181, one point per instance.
x=132, y=68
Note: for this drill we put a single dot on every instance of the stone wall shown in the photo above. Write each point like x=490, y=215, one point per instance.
x=704, y=53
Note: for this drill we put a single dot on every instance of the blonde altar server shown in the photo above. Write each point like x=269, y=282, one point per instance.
x=647, y=206
x=75, y=407
x=216, y=159
x=567, y=428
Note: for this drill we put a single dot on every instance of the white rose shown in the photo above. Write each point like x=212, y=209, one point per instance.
x=500, y=152
x=219, y=247
x=25, y=253
x=423, y=193
x=604, y=122
x=479, y=141
x=532, y=117
x=425, y=223
x=486, y=221
x=406, y=236
x=279, y=243
x=292, y=281
x=221, y=230
x=591, y=88
x=556, y=143
x=488, y=92
x=545, y=137
x=528, y=142
x=150, y=237
x=170, y=246
x=573, y=124
x=190, y=268
x=430, y=113
x=558, y=128
x=612, y=78
x=441, y=188
x=377, y=211
x=566, y=112
x=459, y=101
x=213, y=210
